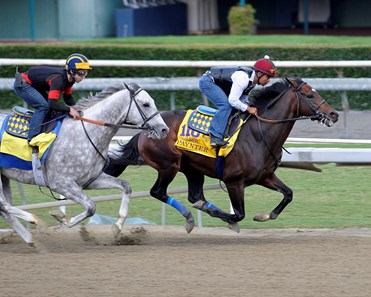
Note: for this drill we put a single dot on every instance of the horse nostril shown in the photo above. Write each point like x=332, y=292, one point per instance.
x=334, y=116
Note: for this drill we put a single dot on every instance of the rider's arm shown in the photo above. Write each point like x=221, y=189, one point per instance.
x=240, y=81
x=67, y=96
x=56, y=88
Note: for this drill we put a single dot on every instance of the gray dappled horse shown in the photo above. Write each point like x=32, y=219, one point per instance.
x=78, y=154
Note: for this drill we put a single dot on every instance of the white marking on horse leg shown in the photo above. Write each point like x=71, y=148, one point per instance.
x=24, y=215
x=18, y=227
x=123, y=213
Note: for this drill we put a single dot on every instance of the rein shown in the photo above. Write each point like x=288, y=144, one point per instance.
x=313, y=117
x=129, y=126
x=299, y=96
x=279, y=121
x=99, y=123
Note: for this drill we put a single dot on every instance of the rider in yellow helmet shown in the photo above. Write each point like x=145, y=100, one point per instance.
x=41, y=87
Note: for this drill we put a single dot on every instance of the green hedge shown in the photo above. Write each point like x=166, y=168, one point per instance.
x=358, y=100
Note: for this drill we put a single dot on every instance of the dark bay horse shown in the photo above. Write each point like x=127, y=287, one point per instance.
x=254, y=159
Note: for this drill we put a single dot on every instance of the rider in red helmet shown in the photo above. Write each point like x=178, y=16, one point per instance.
x=228, y=88
x=41, y=87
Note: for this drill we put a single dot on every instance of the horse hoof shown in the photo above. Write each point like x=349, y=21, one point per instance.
x=59, y=216
x=234, y=227
x=190, y=223
x=199, y=204
x=115, y=230
x=41, y=226
x=262, y=217
x=39, y=248
x=189, y=226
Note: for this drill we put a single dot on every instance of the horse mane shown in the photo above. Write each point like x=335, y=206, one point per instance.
x=264, y=97
x=91, y=100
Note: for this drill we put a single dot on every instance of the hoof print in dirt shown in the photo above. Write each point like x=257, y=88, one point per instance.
x=136, y=237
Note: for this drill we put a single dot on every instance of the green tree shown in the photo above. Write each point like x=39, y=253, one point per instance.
x=241, y=20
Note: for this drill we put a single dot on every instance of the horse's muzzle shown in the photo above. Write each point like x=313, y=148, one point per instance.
x=327, y=119
x=157, y=134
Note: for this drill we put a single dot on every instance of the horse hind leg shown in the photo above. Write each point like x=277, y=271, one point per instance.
x=21, y=230
x=196, y=196
x=159, y=191
x=7, y=208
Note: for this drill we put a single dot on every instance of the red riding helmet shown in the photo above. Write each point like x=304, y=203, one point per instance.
x=266, y=66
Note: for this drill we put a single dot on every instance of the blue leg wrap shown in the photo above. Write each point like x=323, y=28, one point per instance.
x=212, y=206
x=178, y=206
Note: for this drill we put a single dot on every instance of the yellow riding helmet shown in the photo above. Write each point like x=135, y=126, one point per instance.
x=77, y=61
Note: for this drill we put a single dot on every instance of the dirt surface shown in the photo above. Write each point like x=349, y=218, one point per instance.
x=149, y=260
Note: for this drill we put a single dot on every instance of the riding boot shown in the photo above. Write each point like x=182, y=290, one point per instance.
x=215, y=141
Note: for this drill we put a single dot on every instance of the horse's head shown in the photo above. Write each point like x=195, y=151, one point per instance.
x=143, y=112
x=310, y=103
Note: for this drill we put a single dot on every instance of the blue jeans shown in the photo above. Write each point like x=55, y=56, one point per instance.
x=33, y=98
x=217, y=96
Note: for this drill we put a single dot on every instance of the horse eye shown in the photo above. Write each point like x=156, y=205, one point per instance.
x=146, y=104
x=310, y=96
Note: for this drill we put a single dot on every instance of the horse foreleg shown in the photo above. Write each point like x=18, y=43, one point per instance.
x=106, y=181
x=274, y=183
x=73, y=192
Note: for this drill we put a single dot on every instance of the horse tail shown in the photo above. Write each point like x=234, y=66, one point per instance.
x=123, y=155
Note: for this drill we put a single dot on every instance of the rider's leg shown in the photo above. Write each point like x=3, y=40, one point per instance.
x=33, y=98
x=217, y=96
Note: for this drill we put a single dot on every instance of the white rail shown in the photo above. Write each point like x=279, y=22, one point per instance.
x=185, y=63
x=191, y=83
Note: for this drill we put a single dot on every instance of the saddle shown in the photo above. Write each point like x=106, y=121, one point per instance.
x=200, y=119
x=193, y=132
x=15, y=152
x=18, y=122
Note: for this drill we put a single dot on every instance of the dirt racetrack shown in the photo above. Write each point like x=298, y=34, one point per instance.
x=150, y=260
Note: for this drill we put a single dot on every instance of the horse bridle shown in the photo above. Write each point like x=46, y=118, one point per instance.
x=307, y=102
x=315, y=116
x=132, y=99
x=299, y=96
x=145, y=120
x=129, y=126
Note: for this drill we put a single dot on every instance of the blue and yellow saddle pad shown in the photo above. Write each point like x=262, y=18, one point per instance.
x=14, y=149
x=193, y=133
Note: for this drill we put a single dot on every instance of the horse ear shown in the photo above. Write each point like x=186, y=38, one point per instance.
x=288, y=81
x=129, y=88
